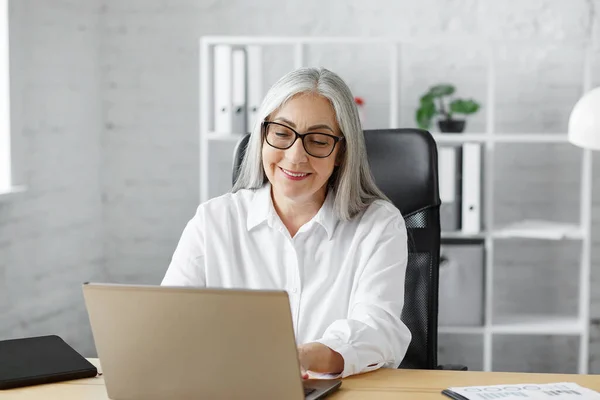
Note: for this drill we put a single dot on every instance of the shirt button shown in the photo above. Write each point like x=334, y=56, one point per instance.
x=294, y=290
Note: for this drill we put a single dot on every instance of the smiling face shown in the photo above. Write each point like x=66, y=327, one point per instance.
x=294, y=174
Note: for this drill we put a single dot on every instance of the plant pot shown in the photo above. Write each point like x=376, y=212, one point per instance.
x=452, y=125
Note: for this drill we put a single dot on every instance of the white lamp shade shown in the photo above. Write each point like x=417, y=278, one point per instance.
x=584, y=122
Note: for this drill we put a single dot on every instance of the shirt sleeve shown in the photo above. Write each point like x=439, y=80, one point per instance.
x=187, y=263
x=373, y=335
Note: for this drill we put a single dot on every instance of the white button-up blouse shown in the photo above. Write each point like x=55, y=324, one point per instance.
x=345, y=279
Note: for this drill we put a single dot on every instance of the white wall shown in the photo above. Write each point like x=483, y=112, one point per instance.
x=51, y=237
x=121, y=100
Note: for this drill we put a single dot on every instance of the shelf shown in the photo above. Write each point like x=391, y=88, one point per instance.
x=538, y=325
x=461, y=330
x=531, y=138
x=526, y=325
x=462, y=236
x=538, y=229
x=459, y=40
x=225, y=137
x=458, y=138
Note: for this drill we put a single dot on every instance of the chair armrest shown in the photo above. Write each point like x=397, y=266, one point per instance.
x=452, y=367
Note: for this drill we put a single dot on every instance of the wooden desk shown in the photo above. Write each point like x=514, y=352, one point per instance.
x=382, y=384
x=425, y=385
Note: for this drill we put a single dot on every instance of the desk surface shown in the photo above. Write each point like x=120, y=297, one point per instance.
x=382, y=384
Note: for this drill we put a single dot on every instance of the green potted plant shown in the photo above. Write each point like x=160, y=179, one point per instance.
x=446, y=108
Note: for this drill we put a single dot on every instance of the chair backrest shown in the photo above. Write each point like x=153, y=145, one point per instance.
x=404, y=165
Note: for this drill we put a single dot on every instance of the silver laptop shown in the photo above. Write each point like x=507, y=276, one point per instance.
x=157, y=342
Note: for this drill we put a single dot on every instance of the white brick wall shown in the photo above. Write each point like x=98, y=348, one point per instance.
x=111, y=87
x=51, y=237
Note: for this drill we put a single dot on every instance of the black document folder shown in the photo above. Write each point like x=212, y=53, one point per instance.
x=38, y=360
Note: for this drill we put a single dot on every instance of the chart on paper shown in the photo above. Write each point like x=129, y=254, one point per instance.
x=562, y=391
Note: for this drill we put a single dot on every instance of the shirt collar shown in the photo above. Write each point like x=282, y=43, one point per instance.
x=262, y=209
x=326, y=215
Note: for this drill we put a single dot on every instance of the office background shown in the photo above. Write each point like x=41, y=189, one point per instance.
x=105, y=136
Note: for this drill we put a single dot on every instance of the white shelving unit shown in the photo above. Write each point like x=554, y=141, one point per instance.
x=576, y=325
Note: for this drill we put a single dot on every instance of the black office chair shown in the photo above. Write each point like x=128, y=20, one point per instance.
x=404, y=164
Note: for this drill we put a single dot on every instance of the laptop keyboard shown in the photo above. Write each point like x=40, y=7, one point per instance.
x=308, y=391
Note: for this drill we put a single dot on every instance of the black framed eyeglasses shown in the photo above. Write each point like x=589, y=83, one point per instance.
x=282, y=137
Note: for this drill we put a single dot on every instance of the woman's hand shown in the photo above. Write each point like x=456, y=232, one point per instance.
x=303, y=373
x=319, y=358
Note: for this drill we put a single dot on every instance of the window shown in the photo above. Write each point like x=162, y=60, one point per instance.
x=5, y=160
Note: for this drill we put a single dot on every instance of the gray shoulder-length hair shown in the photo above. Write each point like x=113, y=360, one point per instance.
x=351, y=181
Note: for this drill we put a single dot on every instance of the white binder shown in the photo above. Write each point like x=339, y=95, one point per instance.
x=450, y=190
x=254, y=79
x=447, y=174
x=239, y=86
x=223, y=89
x=471, y=188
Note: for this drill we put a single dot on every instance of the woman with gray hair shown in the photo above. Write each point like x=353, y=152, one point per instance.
x=305, y=216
